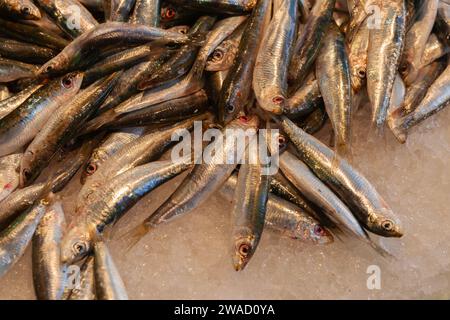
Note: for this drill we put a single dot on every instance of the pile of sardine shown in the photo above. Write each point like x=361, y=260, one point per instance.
x=104, y=85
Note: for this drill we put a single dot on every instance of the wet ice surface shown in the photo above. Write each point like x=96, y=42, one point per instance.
x=190, y=258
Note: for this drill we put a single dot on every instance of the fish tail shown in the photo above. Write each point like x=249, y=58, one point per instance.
x=99, y=122
x=397, y=129
x=381, y=251
x=136, y=234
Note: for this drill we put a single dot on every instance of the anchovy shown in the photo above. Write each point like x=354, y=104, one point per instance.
x=434, y=50
x=333, y=74
x=219, y=6
x=85, y=289
x=318, y=193
x=236, y=90
x=222, y=58
x=21, y=125
x=162, y=113
x=62, y=12
x=385, y=47
x=48, y=272
x=416, y=40
x=437, y=98
x=147, y=12
x=286, y=218
x=305, y=100
x=103, y=37
x=14, y=101
x=25, y=52
x=15, y=239
x=111, y=202
x=181, y=62
x=11, y=70
x=358, y=55
x=60, y=128
x=203, y=180
x=308, y=45
x=249, y=209
x=142, y=150
x=417, y=91
x=32, y=34
x=271, y=68
x=361, y=197
x=108, y=283
x=21, y=9
x=315, y=121
x=108, y=147
x=22, y=199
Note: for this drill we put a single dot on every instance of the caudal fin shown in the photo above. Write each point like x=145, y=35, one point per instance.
x=135, y=235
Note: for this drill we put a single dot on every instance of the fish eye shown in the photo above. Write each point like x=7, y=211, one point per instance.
x=25, y=10
x=217, y=55
x=49, y=68
x=404, y=68
x=79, y=248
x=244, y=250
x=281, y=141
x=362, y=73
x=278, y=99
x=67, y=82
x=230, y=108
x=387, y=225
x=169, y=13
x=27, y=174
x=319, y=231
x=91, y=168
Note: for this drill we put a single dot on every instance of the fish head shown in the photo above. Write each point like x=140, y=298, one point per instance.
x=384, y=224
x=358, y=75
x=310, y=230
x=222, y=57
x=89, y=169
x=243, y=250
x=54, y=66
x=320, y=235
x=28, y=171
x=248, y=122
x=70, y=84
x=25, y=9
x=273, y=101
x=169, y=13
x=76, y=243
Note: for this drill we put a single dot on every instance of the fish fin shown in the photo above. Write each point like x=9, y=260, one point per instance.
x=380, y=250
x=396, y=129
x=99, y=122
x=135, y=235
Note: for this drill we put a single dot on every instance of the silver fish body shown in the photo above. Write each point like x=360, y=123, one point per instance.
x=48, y=272
x=271, y=68
x=109, y=285
x=286, y=218
x=21, y=125
x=385, y=47
x=358, y=193
x=15, y=239
x=333, y=75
